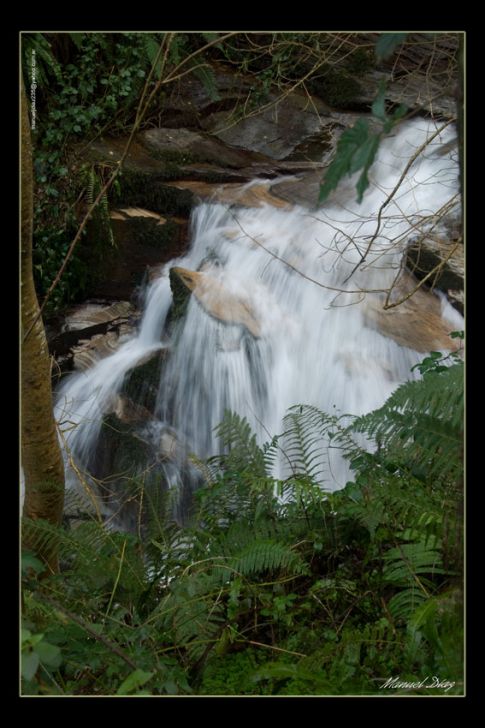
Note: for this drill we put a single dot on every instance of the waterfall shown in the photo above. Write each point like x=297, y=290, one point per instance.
x=283, y=312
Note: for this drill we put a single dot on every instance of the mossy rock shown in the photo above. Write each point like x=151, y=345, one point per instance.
x=148, y=231
x=180, y=295
x=141, y=383
x=138, y=189
x=337, y=87
x=126, y=468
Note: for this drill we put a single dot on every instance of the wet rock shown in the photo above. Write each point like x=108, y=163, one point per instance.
x=92, y=314
x=128, y=411
x=191, y=146
x=89, y=351
x=142, y=381
x=89, y=332
x=443, y=258
x=217, y=300
x=275, y=132
x=415, y=323
x=143, y=239
x=235, y=194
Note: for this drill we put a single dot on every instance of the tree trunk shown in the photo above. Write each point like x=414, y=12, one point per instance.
x=41, y=455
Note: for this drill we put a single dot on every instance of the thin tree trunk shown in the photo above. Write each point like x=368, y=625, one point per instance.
x=41, y=455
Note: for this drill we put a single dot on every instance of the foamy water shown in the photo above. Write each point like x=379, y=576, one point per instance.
x=314, y=347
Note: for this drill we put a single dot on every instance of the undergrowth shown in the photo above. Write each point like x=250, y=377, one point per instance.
x=276, y=587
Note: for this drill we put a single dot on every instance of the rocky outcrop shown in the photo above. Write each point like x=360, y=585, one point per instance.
x=90, y=332
x=143, y=238
x=275, y=132
x=217, y=300
x=441, y=260
x=415, y=323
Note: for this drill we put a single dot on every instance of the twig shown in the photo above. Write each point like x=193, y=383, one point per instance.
x=303, y=275
x=272, y=647
x=88, y=628
x=389, y=198
x=434, y=270
x=141, y=110
x=122, y=557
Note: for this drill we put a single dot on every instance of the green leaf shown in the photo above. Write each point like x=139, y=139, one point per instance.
x=49, y=654
x=77, y=39
x=136, y=680
x=31, y=563
x=209, y=37
x=368, y=153
x=379, y=107
x=30, y=663
x=387, y=44
x=350, y=141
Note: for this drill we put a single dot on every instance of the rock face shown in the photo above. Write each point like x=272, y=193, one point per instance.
x=143, y=239
x=415, y=323
x=90, y=332
x=218, y=300
x=442, y=256
x=276, y=132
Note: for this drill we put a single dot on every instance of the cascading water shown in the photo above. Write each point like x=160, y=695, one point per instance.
x=279, y=313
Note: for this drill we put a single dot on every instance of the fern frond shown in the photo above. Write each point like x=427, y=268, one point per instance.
x=422, y=422
x=308, y=435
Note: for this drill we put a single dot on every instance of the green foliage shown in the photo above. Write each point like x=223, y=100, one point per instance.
x=387, y=44
x=357, y=148
x=87, y=85
x=312, y=593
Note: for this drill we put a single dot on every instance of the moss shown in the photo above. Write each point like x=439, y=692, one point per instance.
x=181, y=296
x=336, y=87
x=360, y=62
x=147, y=231
x=139, y=189
x=141, y=383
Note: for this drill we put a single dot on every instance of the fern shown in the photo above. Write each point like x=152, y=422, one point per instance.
x=267, y=556
x=308, y=435
x=423, y=420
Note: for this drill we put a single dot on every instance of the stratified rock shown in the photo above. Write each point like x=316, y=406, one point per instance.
x=90, y=332
x=191, y=146
x=234, y=194
x=92, y=314
x=89, y=351
x=217, y=300
x=275, y=132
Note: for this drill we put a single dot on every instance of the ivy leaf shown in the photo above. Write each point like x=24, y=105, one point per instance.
x=387, y=44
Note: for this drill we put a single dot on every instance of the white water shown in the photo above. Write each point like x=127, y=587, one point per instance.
x=314, y=347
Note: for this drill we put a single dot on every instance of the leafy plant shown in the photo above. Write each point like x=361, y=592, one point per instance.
x=357, y=147
x=314, y=593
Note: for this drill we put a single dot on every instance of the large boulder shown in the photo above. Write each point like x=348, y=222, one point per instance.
x=217, y=300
